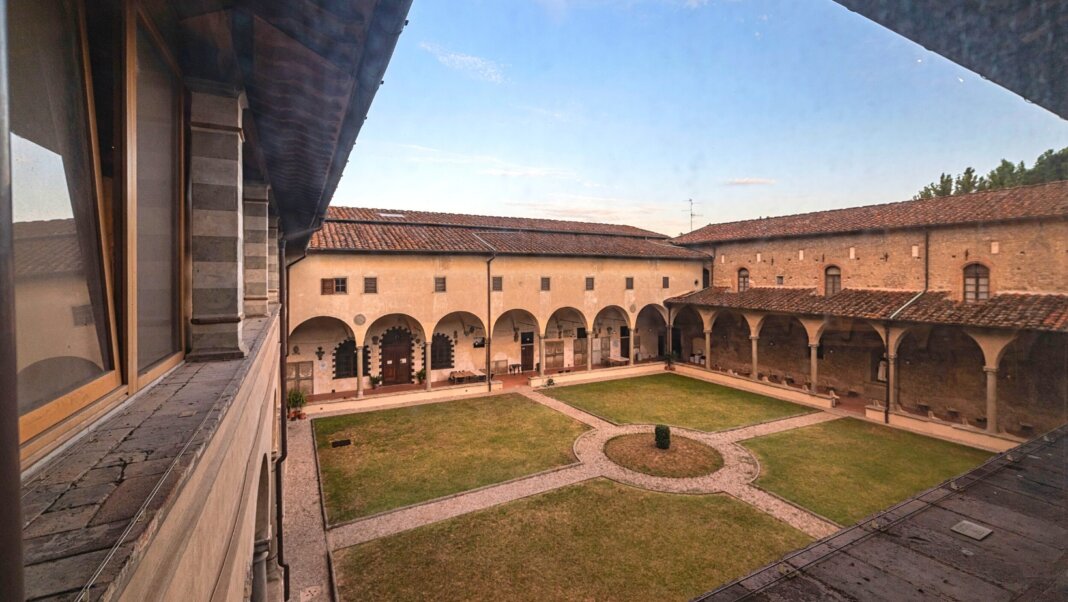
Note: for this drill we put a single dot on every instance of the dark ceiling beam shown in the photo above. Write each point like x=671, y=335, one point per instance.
x=1022, y=45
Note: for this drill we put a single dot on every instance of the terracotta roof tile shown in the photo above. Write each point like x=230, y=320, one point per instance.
x=483, y=222
x=1010, y=310
x=1025, y=202
x=46, y=247
x=394, y=238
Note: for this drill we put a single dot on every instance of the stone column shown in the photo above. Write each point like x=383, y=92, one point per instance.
x=217, y=229
x=541, y=355
x=428, y=347
x=589, y=354
x=272, y=259
x=753, y=340
x=261, y=549
x=991, y=399
x=708, y=350
x=256, y=248
x=813, y=365
x=359, y=372
x=891, y=380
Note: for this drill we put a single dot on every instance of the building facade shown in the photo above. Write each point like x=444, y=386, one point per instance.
x=167, y=160
x=943, y=314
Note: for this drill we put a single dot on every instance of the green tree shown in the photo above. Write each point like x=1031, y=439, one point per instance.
x=1050, y=166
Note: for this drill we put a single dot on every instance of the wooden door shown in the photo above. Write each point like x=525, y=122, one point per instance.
x=396, y=357
x=526, y=348
x=554, y=355
x=299, y=377
x=580, y=353
x=624, y=342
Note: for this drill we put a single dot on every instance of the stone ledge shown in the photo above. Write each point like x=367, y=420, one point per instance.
x=95, y=507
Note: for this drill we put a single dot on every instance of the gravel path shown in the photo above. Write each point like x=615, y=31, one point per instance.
x=305, y=539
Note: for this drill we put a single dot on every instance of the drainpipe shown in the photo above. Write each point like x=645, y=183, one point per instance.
x=11, y=578
x=283, y=340
x=916, y=297
x=489, y=310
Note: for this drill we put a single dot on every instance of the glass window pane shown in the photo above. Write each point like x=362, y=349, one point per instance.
x=60, y=302
x=157, y=207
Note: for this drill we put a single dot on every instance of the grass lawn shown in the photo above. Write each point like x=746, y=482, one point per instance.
x=674, y=400
x=598, y=540
x=685, y=457
x=409, y=455
x=848, y=469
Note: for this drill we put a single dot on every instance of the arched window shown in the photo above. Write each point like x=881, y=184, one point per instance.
x=976, y=283
x=743, y=280
x=345, y=359
x=440, y=352
x=832, y=282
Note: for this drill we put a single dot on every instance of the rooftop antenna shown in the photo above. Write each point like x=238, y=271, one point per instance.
x=692, y=214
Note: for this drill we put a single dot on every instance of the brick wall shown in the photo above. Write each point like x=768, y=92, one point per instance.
x=1031, y=256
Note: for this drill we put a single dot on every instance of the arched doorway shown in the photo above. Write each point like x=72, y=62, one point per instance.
x=783, y=350
x=688, y=335
x=650, y=333
x=566, y=340
x=458, y=346
x=320, y=357
x=611, y=330
x=514, y=342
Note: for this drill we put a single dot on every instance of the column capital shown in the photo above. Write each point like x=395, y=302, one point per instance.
x=754, y=337
x=990, y=369
x=708, y=332
x=813, y=345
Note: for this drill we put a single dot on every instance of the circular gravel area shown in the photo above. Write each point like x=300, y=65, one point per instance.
x=685, y=458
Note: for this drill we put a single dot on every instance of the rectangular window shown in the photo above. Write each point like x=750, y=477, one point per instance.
x=333, y=286
x=439, y=284
x=545, y=283
x=58, y=256
x=158, y=204
x=370, y=285
x=498, y=283
x=589, y=283
x=916, y=251
x=630, y=283
x=801, y=254
x=852, y=252
x=779, y=280
x=667, y=282
x=759, y=258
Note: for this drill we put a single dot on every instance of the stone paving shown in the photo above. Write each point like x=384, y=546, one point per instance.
x=308, y=542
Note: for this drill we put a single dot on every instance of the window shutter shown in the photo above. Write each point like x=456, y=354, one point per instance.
x=327, y=285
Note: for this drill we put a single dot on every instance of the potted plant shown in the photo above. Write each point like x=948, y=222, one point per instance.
x=669, y=362
x=376, y=379
x=295, y=401
x=421, y=375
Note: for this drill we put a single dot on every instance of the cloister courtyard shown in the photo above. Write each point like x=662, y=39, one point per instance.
x=560, y=493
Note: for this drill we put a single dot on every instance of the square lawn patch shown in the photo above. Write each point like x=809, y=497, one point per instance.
x=848, y=469
x=597, y=540
x=408, y=455
x=674, y=400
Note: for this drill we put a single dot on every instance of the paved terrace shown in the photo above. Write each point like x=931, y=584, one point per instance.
x=89, y=512
x=914, y=550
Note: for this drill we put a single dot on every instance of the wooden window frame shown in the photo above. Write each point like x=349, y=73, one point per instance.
x=134, y=17
x=37, y=428
x=370, y=285
x=441, y=285
x=978, y=293
x=497, y=284
x=828, y=290
x=743, y=281
x=546, y=284
x=667, y=282
x=440, y=353
x=629, y=283
x=590, y=283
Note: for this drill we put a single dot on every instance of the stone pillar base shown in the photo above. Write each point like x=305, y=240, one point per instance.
x=216, y=341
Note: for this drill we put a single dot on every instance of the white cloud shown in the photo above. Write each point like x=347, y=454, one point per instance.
x=750, y=182
x=478, y=67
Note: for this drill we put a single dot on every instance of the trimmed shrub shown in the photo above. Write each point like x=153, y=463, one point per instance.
x=663, y=436
x=295, y=400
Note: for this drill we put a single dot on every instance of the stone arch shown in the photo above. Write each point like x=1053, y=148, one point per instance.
x=853, y=362
x=514, y=340
x=731, y=347
x=940, y=373
x=467, y=338
x=687, y=333
x=651, y=332
x=1032, y=381
x=563, y=319
x=313, y=345
x=261, y=543
x=783, y=349
x=612, y=334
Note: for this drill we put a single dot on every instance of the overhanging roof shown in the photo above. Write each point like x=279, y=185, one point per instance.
x=310, y=69
x=1020, y=45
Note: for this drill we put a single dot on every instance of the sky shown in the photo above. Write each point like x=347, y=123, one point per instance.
x=620, y=111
